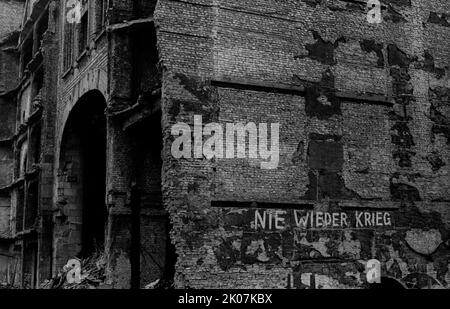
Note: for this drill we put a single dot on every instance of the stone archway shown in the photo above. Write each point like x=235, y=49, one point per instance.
x=81, y=216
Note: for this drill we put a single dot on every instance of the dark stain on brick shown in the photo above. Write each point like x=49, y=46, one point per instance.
x=321, y=100
x=174, y=109
x=325, y=155
x=287, y=247
x=209, y=113
x=313, y=3
x=439, y=19
x=325, y=159
x=402, y=136
x=400, y=2
x=198, y=89
x=444, y=130
x=413, y=217
x=193, y=187
x=321, y=50
x=429, y=65
x=436, y=161
x=393, y=15
x=335, y=239
x=397, y=57
x=297, y=156
x=439, y=98
x=203, y=92
x=396, y=117
x=227, y=256
x=370, y=46
x=403, y=192
x=365, y=238
x=325, y=137
x=328, y=185
x=364, y=171
x=350, y=5
x=238, y=220
x=332, y=185
x=403, y=91
x=401, y=85
x=311, y=187
x=260, y=248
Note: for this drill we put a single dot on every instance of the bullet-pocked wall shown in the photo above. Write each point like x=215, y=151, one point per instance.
x=364, y=141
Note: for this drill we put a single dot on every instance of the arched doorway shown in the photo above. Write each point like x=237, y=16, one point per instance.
x=80, y=229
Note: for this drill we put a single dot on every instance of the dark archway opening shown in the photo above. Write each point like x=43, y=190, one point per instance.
x=153, y=255
x=93, y=146
x=83, y=182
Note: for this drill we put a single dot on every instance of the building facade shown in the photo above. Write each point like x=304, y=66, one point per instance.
x=92, y=94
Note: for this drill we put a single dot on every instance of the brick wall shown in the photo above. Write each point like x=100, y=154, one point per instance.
x=362, y=115
x=10, y=10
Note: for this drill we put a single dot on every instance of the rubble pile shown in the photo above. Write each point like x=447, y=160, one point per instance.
x=163, y=284
x=6, y=286
x=92, y=275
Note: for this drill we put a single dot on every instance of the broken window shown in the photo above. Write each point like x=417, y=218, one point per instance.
x=29, y=274
x=146, y=71
x=20, y=199
x=27, y=53
x=38, y=82
x=68, y=46
x=83, y=33
x=35, y=142
x=100, y=15
x=31, y=206
x=40, y=30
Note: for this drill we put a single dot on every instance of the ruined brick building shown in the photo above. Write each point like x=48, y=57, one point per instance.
x=88, y=100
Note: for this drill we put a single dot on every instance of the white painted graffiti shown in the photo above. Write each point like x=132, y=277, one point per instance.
x=277, y=219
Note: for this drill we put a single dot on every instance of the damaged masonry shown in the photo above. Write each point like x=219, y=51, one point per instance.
x=87, y=109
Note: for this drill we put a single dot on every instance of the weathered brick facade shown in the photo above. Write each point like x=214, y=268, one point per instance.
x=363, y=113
x=363, y=169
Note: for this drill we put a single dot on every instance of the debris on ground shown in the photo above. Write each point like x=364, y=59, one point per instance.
x=92, y=275
x=160, y=284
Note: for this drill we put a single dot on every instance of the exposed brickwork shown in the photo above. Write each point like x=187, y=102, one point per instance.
x=364, y=135
x=11, y=13
x=346, y=151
